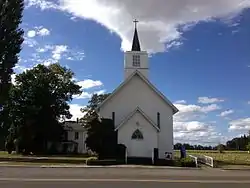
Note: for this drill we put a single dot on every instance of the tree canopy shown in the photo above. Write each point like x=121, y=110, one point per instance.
x=37, y=104
x=11, y=39
x=102, y=137
x=90, y=110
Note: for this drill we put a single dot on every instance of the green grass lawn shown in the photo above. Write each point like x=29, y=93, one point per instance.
x=67, y=159
x=225, y=158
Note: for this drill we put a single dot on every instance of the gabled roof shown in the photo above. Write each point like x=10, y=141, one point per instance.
x=126, y=119
x=73, y=126
x=137, y=73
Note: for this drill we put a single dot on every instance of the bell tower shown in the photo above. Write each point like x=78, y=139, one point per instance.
x=136, y=59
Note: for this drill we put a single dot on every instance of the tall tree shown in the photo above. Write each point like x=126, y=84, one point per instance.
x=37, y=104
x=90, y=109
x=11, y=39
x=102, y=137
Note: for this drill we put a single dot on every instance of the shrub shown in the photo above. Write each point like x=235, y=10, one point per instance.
x=185, y=162
x=221, y=148
x=104, y=162
x=164, y=162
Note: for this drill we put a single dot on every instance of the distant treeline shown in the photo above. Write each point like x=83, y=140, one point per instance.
x=238, y=143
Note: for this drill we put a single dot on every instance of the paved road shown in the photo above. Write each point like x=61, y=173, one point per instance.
x=13, y=177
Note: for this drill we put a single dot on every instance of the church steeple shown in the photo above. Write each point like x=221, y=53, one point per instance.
x=136, y=43
x=136, y=59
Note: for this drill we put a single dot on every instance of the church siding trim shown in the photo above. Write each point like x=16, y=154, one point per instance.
x=113, y=117
x=175, y=110
x=159, y=120
x=138, y=109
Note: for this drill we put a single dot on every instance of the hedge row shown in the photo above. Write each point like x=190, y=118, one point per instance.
x=161, y=162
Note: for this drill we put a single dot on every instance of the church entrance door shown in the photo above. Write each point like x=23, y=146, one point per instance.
x=137, y=148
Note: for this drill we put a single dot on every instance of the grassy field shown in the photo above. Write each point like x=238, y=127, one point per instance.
x=67, y=159
x=225, y=158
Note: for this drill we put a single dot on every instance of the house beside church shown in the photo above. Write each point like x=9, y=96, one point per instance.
x=143, y=116
x=74, y=138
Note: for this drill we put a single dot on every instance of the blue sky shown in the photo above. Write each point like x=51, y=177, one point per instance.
x=199, y=55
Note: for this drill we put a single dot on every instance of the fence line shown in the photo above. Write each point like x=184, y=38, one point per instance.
x=204, y=159
x=195, y=160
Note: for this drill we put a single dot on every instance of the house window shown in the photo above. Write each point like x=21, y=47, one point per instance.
x=137, y=135
x=76, y=135
x=158, y=119
x=66, y=135
x=136, y=61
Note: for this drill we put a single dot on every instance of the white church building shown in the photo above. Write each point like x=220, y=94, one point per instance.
x=143, y=116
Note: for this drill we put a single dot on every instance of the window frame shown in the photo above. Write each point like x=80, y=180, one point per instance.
x=137, y=135
x=136, y=60
x=76, y=135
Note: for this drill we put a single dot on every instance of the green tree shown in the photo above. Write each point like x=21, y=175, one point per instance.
x=90, y=109
x=11, y=39
x=221, y=148
x=248, y=147
x=102, y=137
x=37, y=105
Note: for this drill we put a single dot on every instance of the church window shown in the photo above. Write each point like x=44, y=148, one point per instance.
x=137, y=135
x=136, y=61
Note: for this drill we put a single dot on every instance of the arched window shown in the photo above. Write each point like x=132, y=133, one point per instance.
x=137, y=135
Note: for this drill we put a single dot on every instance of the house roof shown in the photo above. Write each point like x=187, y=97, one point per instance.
x=127, y=118
x=137, y=73
x=74, y=126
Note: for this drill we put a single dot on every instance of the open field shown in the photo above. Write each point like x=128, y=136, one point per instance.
x=225, y=158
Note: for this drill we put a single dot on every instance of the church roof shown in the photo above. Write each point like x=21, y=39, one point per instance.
x=138, y=109
x=136, y=43
x=137, y=73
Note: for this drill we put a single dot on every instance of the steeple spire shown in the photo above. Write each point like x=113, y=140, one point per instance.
x=136, y=43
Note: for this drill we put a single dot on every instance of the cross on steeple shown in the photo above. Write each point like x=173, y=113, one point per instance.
x=136, y=43
x=135, y=21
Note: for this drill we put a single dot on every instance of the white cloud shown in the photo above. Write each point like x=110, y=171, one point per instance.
x=31, y=33
x=75, y=110
x=226, y=113
x=55, y=53
x=83, y=95
x=38, y=31
x=88, y=83
x=30, y=42
x=192, y=126
x=88, y=95
x=248, y=102
x=240, y=125
x=43, y=32
x=191, y=111
x=180, y=102
x=189, y=125
x=207, y=100
x=159, y=20
x=100, y=92
x=43, y=4
x=58, y=51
